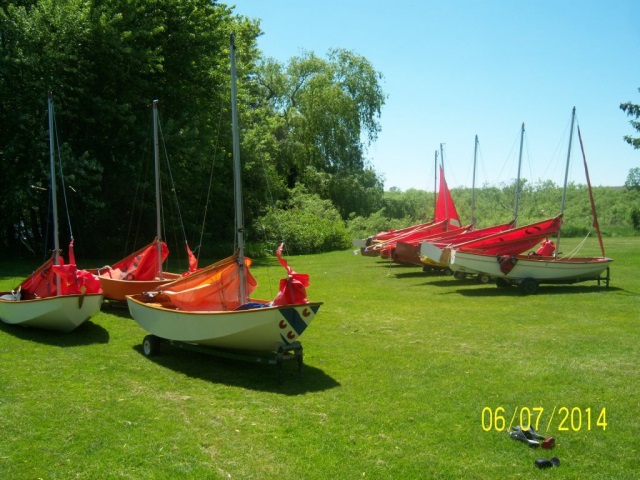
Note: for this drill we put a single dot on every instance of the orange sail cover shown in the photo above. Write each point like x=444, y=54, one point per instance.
x=212, y=288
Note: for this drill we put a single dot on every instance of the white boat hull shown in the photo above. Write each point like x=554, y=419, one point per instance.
x=261, y=329
x=541, y=269
x=63, y=313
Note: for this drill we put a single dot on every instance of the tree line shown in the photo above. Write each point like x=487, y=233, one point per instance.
x=305, y=124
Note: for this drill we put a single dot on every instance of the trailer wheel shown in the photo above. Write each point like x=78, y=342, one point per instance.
x=150, y=345
x=483, y=278
x=459, y=275
x=528, y=286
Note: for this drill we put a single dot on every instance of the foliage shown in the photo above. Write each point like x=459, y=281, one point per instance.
x=633, y=179
x=305, y=223
x=633, y=111
x=326, y=114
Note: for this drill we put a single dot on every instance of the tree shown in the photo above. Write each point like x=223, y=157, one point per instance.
x=633, y=179
x=105, y=62
x=326, y=113
x=633, y=111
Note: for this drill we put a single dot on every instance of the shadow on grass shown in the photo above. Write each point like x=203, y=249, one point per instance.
x=244, y=374
x=493, y=291
x=88, y=333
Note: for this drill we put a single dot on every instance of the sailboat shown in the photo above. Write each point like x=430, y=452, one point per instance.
x=528, y=271
x=212, y=307
x=57, y=296
x=142, y=270
x=445, y=219
x=505, y=239
x=405, y=249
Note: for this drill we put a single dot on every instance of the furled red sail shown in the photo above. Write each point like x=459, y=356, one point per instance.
x=140, y=265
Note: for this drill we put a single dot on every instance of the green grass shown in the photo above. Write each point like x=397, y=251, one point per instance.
x=399, y=366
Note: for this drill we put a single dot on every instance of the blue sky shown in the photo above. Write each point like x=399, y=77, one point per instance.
x=456, y=69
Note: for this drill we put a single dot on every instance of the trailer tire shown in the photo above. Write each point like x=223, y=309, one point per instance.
x=528, y=286
x=150, y=345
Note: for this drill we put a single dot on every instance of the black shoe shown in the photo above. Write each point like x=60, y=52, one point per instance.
x=546, y=463
x=531, y=434
x=535, y=434
x=519, y=434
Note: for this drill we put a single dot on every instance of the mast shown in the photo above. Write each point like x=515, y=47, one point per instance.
x=473, y=181
x=236, y=172
x=515, y=207
x=435, y=187
x=54, y=199
x=596, y=225
x=566, y=175
x=156, y=156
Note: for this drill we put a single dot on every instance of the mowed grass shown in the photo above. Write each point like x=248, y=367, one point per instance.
x=407, y=376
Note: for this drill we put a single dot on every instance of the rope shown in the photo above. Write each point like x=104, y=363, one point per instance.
x=575, y=251
x=213, y=163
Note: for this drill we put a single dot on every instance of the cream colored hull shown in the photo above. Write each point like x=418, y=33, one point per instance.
x=63, y=313
x=262, y=329
x=541, y=269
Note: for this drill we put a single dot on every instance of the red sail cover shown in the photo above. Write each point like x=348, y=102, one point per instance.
x=293, y=288
x=445, y=208
x=43, y=283
x=140, y=265
x=514, y=241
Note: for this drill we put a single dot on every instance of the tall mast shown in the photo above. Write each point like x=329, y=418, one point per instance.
x=566, y=174
x=515, y=207
x=435, y=187
x=473, y=181
x=156, y=156
x=596, y=225
x=236, y=172
x=54, y=198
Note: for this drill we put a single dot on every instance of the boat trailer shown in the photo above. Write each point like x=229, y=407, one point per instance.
x=151, y=346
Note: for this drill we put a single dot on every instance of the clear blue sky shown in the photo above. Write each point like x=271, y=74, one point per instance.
x=456, y=69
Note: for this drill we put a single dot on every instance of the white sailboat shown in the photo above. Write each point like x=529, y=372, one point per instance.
x=212, y=307
x=528, y=271
x=56, y=296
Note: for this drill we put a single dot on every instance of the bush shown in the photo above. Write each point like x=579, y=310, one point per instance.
x=306, y=224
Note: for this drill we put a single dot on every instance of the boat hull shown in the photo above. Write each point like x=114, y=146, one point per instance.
x=63, y=313
x=258, y=329
x=539, y=268
x=115, y=289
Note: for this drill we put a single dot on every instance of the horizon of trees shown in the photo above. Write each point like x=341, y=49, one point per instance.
x=305, y=124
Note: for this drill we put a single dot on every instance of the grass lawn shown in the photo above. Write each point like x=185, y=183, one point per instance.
x=407, y=376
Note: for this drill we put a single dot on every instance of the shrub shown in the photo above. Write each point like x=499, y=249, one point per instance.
x=306, y=224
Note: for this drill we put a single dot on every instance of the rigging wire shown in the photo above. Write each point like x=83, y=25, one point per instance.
x=53, y=181
x=213, y=163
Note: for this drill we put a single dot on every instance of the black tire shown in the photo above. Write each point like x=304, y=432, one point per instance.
x=150, y=345
x=528, y=286
x=502, y=283
x=483, y=278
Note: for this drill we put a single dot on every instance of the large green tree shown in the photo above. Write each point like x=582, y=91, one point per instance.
x=326, y=113
x=105, y=62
